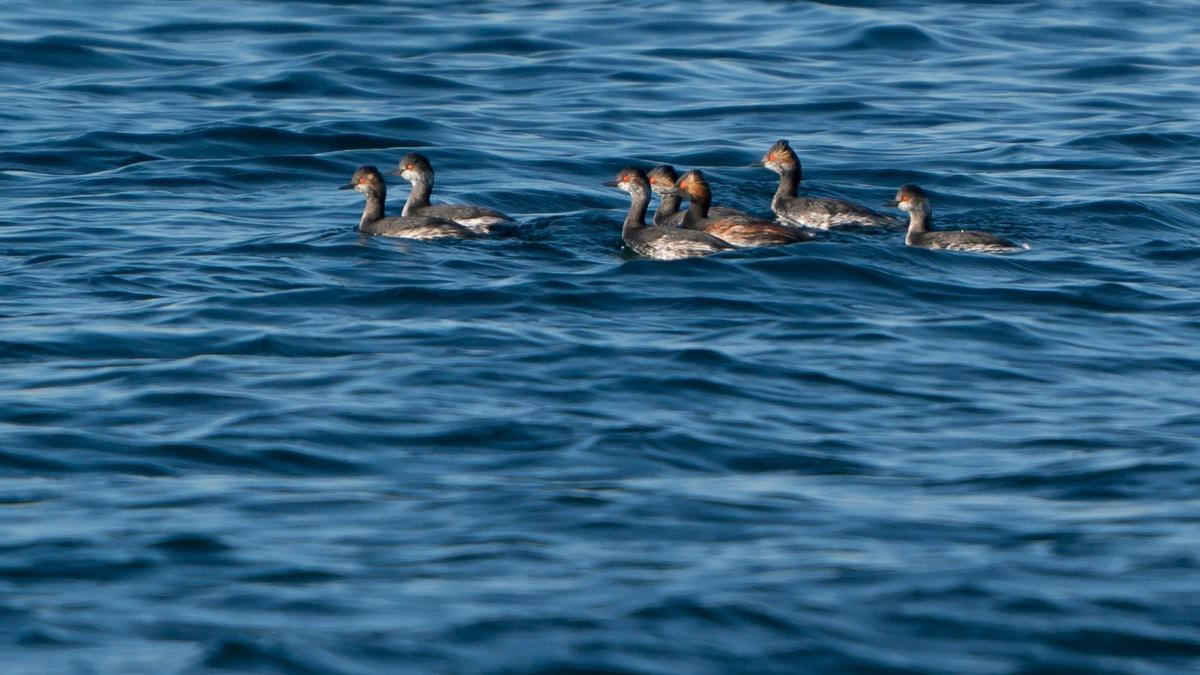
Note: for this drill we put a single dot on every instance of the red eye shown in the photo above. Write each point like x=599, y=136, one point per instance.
x=771, y=157
x=408, y=166
x=654, y=181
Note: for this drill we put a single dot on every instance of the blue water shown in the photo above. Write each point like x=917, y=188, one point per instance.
x=237, y=436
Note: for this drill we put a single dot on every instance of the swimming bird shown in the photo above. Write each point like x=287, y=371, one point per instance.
x=369, y=181
x=913, y=199
x=417, y=170
x=739, y=230
x=661, y=243
x=819, y=212
x=662, y=182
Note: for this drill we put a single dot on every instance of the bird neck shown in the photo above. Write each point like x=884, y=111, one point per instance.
x=372, y=210
x=698, y=205
x=639, y=203
x=667, y=205
x=920, y=221
x=418, y=195
x=789, y=180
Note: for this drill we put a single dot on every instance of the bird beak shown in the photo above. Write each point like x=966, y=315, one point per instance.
x=610, y=183
x=759, y=164
x=396, y=172
x=347, y=186
x=892, y=203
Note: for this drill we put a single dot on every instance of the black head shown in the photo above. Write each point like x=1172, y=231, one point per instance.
x=368, y=181
x=662, y=179
x=630, y=179
x=414, y=166
x=780, y=157
x=911, y=198
x=694, y=185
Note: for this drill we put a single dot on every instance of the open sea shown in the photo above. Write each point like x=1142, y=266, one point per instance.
x=237, y=436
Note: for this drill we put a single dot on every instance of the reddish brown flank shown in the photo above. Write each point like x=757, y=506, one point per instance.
x=740, y=232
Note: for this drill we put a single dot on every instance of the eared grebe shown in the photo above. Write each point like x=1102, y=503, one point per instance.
x=662, y=182
x=369, y=181
x=812, y=211
x=920, y=219
x=416, y=169
x=662, y=243
x=740, y=230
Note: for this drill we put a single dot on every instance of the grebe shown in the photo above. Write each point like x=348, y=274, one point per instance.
x=661, y=243
x=913, y=199
x=744, y=231
x=416, y=169
x=662, y=182
x=812, y=211
x=369, y=181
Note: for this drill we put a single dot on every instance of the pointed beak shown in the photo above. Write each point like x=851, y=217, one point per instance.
x=610, y=183
x=347, y=186
x=892, y=203
x=396, y=172
x=759, y=164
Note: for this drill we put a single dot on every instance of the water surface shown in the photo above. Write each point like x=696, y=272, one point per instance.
x=239, y=437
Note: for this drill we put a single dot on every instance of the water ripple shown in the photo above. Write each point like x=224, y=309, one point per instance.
x=239, y=436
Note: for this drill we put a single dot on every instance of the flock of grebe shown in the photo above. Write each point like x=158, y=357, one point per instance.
x=700, y=229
